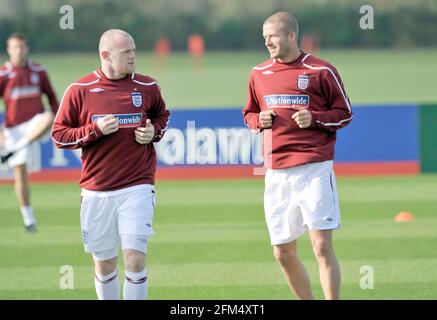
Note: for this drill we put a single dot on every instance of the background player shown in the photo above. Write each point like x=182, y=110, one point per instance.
x=301, y=99
x=22, y=84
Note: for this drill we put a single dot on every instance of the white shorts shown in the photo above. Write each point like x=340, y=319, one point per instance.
x=109, y=217
x=300, y=198
x=14, y=134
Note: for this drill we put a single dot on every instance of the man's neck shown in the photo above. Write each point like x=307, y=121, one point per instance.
x=292, y=56
x=18, y=64
x=111, y=74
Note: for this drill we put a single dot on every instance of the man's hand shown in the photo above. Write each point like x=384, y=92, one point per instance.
x=266, y=118
x=303, y=118
x=108, y=124
x=144, y=135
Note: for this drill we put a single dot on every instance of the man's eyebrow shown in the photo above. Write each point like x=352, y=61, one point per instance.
x=127, y=50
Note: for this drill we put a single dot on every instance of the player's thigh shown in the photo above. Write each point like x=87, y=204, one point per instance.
x=135, y=218
x=99, y=226
x=319, y=200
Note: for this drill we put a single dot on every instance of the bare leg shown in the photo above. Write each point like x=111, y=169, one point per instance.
x=41, y=127
x=329, y=269
x=293, y=270
x=22, y=185
x=105, y=267
x=134, y=261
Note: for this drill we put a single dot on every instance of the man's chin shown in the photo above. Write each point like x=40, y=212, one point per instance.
x=130, y=69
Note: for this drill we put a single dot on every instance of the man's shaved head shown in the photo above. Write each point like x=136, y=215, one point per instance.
x=110, y=37
x=117, y=53
x=286, y=20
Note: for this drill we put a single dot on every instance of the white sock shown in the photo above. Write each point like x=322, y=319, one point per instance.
x=19, y=145
x=28, y=216
x=135, y=285
x=107, y=287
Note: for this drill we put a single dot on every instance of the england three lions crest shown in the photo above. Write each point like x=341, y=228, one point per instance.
x=303, y=81
x=137, y=99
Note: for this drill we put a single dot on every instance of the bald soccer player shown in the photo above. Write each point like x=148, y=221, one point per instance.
x=22, y=85
x=114, y=115
x=301, y=101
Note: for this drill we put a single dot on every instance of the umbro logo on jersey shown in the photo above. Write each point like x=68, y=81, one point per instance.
x=126, y=120
x=97, y=90
x=267, y=72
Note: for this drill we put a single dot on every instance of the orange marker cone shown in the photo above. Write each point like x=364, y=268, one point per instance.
x=404, y=216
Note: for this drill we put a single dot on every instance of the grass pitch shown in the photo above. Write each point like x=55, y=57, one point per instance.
x=211, y=242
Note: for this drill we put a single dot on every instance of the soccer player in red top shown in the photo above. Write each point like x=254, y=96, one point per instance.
x=114, y=115
x=299, y=102
x=22, y=84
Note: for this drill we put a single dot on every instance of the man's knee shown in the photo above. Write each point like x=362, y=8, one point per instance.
x=322, y=248
x=284, y=253
x=105, y=267
x=134, y=260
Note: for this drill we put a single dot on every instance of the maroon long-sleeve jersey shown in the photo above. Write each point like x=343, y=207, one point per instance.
x=21, y=89
x=306, y=83
x=114, y=161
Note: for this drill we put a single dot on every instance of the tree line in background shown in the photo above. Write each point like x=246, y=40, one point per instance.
x=333, y=26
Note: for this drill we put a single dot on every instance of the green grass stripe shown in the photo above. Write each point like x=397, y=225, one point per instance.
x=210, y=274
x=218, y=232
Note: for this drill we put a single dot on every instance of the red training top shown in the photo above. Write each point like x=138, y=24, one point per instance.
x=306, y=83
x=114, y=161
x=21, y=89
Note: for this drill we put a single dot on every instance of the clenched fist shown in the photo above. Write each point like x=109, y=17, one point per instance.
x=266, y=118
x=303, y=118
x=108, y=124
x=144, y=135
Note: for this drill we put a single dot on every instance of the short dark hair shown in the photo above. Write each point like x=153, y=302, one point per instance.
x=287, y=19
x=17, y=35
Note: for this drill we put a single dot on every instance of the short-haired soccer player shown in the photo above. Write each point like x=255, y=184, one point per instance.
x=114, y=115
x=301, y=101
x=22, y=84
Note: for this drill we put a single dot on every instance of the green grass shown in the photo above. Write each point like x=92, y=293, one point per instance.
x=211, y=242
x=370, y=76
